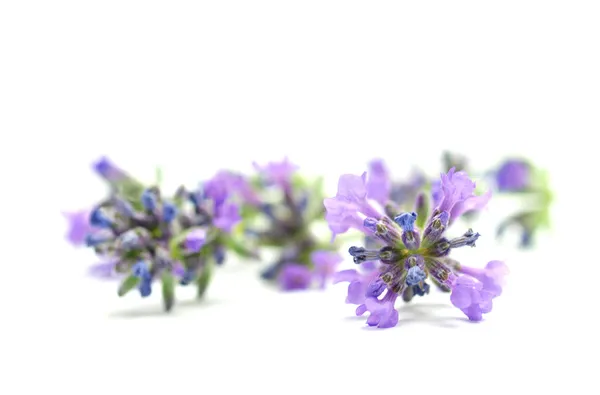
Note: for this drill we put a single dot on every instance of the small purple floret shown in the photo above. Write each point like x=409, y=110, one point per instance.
x=513, y=175
x=194, y=241
x=294, y=277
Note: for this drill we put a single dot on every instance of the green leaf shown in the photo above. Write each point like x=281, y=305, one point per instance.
x=422, y=210
x=238, y=247
x=204, y=279
x=128, y=284
x=168, y=290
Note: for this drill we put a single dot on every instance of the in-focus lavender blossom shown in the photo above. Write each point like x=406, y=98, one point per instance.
x=289, y=207
x=410, y=256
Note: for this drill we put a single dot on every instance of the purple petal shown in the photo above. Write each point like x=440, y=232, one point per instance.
x=194, y=241
x=473, y=312
x=294, y=277
x=278, y=173
x=378, y=184
x=356, y=292
x=470, y=204
x=353, y=187
x=458, y=198
x=346, y=276
x=227, y=216
x=226, y=183
x=390, y=321
x=361, y=309
x=104, y=270
x=79, y=226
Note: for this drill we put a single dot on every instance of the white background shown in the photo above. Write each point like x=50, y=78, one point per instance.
x=194, y=86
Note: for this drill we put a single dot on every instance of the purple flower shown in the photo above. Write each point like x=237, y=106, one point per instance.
x=278, y=173
x=79, y=226
x=458, y=197
x=492, y=277
x=513, y=175
x=294, y=277
x=227, y=215
x=106, y=169
x=326, y=263
x=194, y=241
x=409, y=256
x=471, y=298
x=225, y=183
x=351, y=200
x=379, y=184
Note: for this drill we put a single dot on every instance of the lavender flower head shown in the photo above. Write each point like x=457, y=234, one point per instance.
x=175, y=240
x=289, y=208
x=410, y=256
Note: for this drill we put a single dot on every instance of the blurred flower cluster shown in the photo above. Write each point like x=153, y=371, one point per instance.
x=142, y=235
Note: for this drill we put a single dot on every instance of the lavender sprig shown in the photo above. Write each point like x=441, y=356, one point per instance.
x=284, y=220
x=142, y=237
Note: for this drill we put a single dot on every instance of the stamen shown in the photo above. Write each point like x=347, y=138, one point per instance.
x=468, y=239
x=361, y=254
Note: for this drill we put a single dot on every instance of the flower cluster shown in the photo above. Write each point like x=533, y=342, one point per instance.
x=287, y=209
x=142, y=237
x=180, y=237
x=414, y=249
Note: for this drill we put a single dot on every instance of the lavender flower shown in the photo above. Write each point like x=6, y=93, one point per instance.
x=409, y=255
x=513, y=175
x=154, y=238
x=289, y=207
